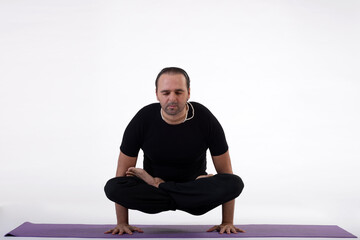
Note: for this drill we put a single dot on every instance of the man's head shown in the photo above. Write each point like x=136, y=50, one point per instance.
x=173, y=90
x=173, y=70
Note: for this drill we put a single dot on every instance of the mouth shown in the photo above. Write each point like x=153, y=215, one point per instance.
x=171, y=109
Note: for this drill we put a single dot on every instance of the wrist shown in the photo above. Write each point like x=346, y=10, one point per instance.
x=228, y=212
x=227, y=222
x=122, y=215
x=122, y=224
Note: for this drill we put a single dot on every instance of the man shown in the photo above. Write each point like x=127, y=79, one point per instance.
x=174, y=136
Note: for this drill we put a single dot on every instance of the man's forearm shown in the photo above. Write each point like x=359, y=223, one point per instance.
x=228, y=212
x=122, y=214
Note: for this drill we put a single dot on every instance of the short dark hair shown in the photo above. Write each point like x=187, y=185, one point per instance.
x=173, y=70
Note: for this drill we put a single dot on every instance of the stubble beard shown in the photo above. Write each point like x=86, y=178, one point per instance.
x=172, y=112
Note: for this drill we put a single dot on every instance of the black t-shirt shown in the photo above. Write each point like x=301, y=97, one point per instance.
x=174, y=152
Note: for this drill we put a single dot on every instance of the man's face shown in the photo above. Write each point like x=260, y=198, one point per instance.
x=172, y=93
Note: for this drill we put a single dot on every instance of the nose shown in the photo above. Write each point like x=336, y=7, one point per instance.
x=172, y=97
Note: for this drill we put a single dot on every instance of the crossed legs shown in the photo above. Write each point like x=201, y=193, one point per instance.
x=153, y=181
x=145, y=193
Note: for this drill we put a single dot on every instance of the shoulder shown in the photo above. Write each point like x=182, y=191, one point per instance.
x=145, y=114
x=149, y=109
x=199, y=106
x=204, y=115
x=201, y=110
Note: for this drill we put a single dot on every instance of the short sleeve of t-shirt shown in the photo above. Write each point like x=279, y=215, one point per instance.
x=215, y=136
x=131, y=142
x=217, y=140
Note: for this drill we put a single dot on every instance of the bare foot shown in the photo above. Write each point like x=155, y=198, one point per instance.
x=204, y=176
x=143, y=175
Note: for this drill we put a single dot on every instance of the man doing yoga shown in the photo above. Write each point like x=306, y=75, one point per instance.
x=174, y=136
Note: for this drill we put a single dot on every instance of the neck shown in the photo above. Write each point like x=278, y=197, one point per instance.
x=174, y=119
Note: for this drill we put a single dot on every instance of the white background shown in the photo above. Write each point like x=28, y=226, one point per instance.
x=281, y=76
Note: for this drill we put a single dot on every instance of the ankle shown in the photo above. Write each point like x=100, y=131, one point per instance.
x=157, y=182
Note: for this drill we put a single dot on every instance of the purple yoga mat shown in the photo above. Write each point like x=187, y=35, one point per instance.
x=28, y=229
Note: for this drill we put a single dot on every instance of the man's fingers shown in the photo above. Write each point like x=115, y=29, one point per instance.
x=239, y=230
x=124, y=229
x=138, y=229
x=225, y=229
x=127, y=230
x=213, y=229
x=112, y=231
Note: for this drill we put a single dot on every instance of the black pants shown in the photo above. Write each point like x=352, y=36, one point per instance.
x=195, y=197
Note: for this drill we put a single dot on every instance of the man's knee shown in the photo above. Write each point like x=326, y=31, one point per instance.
x=110, y=189
x=118, y=186
x=232, y=185
x=134, y=193
x=238, y=184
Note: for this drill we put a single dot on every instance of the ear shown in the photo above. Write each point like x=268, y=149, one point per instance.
x=156, y=93
x=188, y=93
